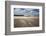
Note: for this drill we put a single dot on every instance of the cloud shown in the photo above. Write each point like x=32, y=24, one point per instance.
x=26, y=11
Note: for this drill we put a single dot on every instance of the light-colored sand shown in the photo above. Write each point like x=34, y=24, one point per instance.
x=21, y=17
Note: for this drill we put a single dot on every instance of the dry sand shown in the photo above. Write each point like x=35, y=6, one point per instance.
x=21, y=21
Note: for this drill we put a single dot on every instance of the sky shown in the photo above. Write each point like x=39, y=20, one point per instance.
x=26, y=11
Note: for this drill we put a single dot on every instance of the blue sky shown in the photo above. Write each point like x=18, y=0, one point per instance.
x=26, y=11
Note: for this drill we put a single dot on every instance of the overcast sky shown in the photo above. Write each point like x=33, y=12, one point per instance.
x=26, y=11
